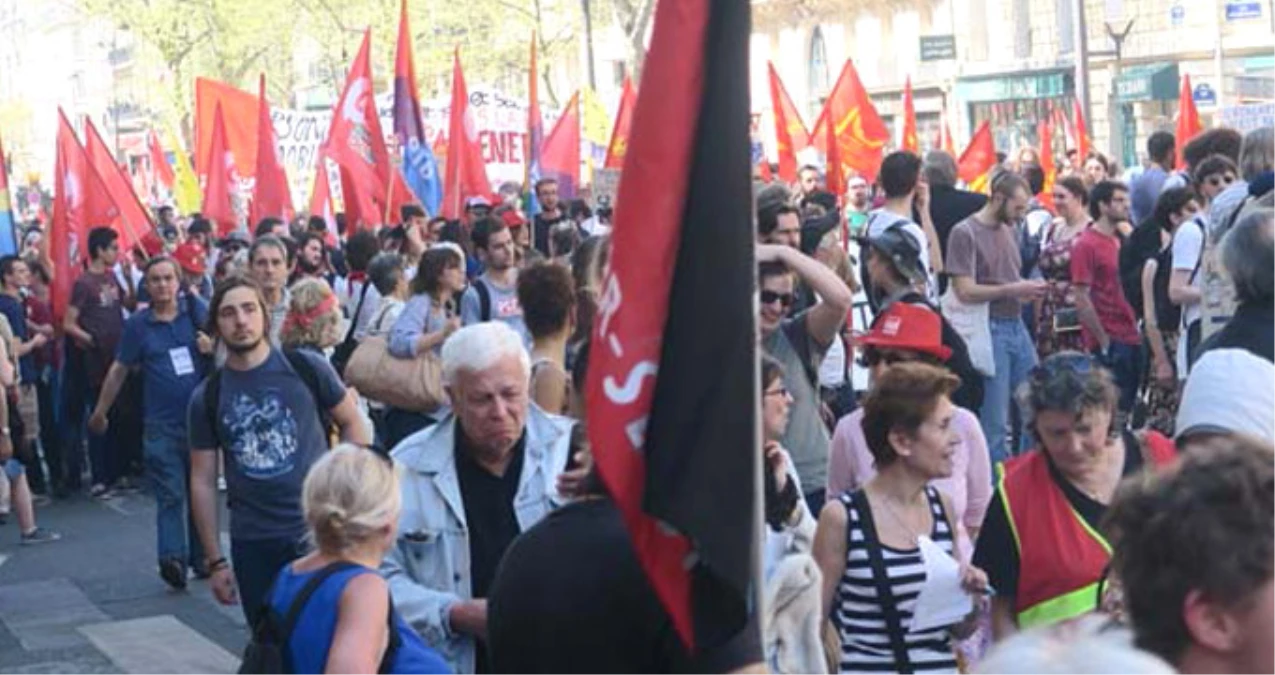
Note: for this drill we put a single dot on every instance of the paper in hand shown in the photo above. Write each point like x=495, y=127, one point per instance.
x=941, y=602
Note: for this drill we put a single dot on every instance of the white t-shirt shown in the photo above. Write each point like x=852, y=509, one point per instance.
x=881, y=220
x=348, y=293
x=832, y=371
x=1188, y=245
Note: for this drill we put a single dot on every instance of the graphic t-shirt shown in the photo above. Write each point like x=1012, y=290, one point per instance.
x=269, y=427
x=98, y=297
x=504, y=306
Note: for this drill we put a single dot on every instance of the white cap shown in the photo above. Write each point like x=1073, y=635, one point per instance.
x=1229, y=390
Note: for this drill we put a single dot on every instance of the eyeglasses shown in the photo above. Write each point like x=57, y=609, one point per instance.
x=782, y=391
x=771, y=297
x=1074, y=364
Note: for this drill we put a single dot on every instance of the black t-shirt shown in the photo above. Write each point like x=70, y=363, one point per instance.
x=543, y=225
x=996, y=553
x=571, y=597
x=489, y=516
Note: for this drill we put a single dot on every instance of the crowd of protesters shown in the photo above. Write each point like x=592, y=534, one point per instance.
x=1070, y=383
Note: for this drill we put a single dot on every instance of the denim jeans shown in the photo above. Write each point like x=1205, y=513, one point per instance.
x=1126, y=364
x=1015, y=356
x=257, y=562
x=166, y=454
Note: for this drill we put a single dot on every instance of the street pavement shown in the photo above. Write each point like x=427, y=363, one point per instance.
x=94, y=603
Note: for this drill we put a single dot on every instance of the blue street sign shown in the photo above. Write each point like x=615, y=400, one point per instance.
x=1204, y=94
x=1177, y=14
x=1248, y=9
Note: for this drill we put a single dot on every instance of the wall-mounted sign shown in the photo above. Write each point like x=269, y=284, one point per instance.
x=1177, y=15
x=938, y=47
x=1204, y=94
x=1247, y=9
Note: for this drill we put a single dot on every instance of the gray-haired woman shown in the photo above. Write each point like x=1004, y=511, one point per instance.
x=1039, y=543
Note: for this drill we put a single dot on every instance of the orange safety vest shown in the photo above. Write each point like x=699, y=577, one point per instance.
x=1061, y=558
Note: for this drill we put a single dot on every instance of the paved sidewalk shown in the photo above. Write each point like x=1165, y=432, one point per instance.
x=94, y=602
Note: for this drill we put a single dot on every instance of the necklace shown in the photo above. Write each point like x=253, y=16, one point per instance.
x=898, y=518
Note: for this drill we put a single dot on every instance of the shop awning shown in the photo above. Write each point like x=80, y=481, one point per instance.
x=1148, y=82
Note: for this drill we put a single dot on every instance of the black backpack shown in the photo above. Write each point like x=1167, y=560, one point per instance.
x=300, y=365
x=267, y=651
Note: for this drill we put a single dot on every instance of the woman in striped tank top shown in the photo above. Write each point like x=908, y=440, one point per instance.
x=868, y=542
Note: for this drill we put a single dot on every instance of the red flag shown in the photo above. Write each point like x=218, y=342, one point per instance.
x=271, y=196
x=218, y=204
x=355, y=142
x=1188, y=120
x=400, y=195
x=763, y=171
x=321, y=194
x=1046, y=195
x=159, y=162
x=466, y=174
x=835, y=178
x=1081, y=132
x=135, y=220
x=791, y=135
x=861, y=134
x=672, y=374
x=978, y=158
x=560, y=155
x=80, y=203
x=910, y=142
x=620, y=132
x=238, y=117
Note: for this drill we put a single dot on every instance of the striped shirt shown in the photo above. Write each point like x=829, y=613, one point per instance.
x=857, y=609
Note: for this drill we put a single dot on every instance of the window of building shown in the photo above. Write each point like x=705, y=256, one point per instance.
x=817, y=70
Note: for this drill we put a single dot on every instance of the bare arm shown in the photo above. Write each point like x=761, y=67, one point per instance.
x=824, y=320
x=8, y=374
x=971, y=292
x=1088, y=316
x=932, y=241
x=1181, y=292
x=111, y=386
x=203, y=499
x=347, y=417
x=361, y=634
x=1149, y=325
x=830, y=550
x=71, y=324
x=549, y=389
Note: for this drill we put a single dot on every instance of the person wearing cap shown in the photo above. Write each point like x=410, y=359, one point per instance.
x=893, y=265
x=1230, y=390
x=906, y=333
x=477, y=207
x=1040, y=541
x=165, y=344
x=900, y=180
x=800, y=342
x=194, y=267
x=551, y=213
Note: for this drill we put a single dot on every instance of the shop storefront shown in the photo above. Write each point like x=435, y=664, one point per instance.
x=1146, y=100
x=1014, y=104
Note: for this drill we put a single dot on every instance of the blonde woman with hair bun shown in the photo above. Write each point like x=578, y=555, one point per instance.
x=348, y=624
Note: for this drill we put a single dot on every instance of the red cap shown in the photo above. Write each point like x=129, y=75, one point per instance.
x=512, y=219
x=151, y=243
x=908, y=326
x=190, y=256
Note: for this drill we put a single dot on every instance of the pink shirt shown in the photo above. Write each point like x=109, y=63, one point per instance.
x=969, y=488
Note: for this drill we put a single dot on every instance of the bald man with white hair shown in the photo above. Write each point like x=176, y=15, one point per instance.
x=472, y=483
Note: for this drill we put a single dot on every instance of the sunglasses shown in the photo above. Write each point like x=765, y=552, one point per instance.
x=771, y=297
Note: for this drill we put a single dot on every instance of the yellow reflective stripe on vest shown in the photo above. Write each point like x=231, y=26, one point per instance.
x=1059, y=608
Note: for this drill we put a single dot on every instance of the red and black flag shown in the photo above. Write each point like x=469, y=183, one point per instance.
x=672, y=384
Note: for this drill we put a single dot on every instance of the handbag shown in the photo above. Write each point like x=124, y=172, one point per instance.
x=1066, y=320
x=408, y=384
x=973, y=323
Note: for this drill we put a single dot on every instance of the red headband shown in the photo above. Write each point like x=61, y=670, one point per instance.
x=304, y=319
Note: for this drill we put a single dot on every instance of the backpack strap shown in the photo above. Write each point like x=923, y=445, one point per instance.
x=358, y=309
x=484, y=299
x=876, y=560
x=310, y=377
x=395, y=641
x=212, y=396
x=303, y=596
x=1204, y=241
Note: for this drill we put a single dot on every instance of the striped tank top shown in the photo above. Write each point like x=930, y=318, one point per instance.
x=857, y=608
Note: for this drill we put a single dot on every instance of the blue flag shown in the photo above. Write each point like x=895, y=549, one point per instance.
x=420, y=167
